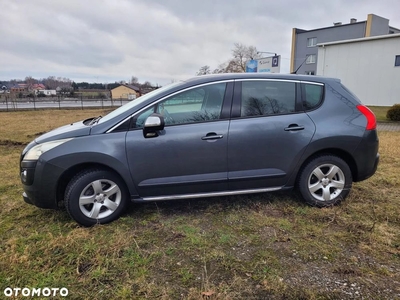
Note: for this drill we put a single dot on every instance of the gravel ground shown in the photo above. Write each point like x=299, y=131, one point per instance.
x=388, y=126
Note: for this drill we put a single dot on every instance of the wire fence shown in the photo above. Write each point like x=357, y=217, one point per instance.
x=14, y=104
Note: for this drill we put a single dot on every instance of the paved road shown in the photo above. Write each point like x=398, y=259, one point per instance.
x=388, y=126
x=63, y=104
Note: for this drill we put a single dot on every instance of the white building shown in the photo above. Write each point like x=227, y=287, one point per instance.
x=47, y=92
x=369, y=67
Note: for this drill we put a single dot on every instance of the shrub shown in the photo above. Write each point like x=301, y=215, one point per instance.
x=393, y=113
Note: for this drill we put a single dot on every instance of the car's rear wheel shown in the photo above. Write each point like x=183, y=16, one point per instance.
x=95, y=197
x=325, y=181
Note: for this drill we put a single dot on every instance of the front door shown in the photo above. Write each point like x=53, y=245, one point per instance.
x=190, y=155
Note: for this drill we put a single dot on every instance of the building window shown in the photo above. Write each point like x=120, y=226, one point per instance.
x=311, y=42
x=309, y=72
x=311, y=59
x=397, y=61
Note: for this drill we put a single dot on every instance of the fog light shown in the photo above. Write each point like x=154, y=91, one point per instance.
x=24, y=175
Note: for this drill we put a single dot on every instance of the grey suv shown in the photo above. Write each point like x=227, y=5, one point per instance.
x=216, y=135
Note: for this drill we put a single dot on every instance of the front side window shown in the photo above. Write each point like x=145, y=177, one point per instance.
x=311, y=59
x=311, y=42
x=199, y=104
x=137, y=102
x=261, y=98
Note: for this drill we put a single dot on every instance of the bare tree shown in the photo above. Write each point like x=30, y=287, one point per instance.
x=241, y=54
x=146, y=84
x=218, y=70
x=30, y=81
x=221, y=68
x=50, y=82
x=53, y=82
x=237, y=64
x=262, y=106
x=134, y=80
x=204, y=70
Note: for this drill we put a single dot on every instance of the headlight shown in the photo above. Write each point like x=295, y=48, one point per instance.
x=35, y=152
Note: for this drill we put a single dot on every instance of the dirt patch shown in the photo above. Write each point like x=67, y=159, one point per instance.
x=11, y=143
x=36, y=134
x=345, y=280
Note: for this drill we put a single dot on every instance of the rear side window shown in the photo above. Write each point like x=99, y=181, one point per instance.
x=261, y=98
x=313, y=94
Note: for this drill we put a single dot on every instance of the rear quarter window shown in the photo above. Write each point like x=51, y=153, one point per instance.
x=313, y=95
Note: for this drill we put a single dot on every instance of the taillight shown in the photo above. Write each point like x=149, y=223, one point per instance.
x=371, y=119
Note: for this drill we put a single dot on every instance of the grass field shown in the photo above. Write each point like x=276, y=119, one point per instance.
x=380, y=113
x=264, y=246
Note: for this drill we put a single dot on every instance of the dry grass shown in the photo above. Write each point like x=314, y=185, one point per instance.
x=26, y=125
x=380, y=113
x=266, y=246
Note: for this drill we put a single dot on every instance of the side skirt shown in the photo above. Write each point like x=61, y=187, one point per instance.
x=205, y=195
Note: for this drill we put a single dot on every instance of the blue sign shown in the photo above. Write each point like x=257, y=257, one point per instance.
x=251, y=66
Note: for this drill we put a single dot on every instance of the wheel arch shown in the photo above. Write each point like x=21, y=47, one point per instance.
x=66, y=177
x=329, y=151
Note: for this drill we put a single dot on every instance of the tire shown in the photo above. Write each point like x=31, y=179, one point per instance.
x=95, y=196
x=325, y=181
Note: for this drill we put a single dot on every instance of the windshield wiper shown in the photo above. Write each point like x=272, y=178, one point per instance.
x=95, y=120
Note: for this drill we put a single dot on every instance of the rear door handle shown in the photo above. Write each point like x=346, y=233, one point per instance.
x=212, y=136
x=294, y=127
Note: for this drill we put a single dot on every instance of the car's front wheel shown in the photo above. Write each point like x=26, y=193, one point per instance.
x=325, y=181
x=95, y=197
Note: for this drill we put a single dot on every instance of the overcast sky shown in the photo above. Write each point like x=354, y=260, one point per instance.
x=157, y=40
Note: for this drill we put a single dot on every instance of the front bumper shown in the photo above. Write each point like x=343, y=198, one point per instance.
x=26, y=198
x=39, y=183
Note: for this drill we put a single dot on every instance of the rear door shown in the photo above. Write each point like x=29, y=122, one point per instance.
x=190, y=155
x=268, y=133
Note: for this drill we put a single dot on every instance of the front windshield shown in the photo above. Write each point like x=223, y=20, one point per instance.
x=137, y=101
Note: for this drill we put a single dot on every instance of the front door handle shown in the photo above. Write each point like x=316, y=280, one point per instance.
x=294, y=127
x=212, y=136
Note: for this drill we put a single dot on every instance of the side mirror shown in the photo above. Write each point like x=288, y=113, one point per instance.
x=153, y=124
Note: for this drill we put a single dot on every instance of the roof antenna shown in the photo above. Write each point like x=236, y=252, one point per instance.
x=295, y=72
